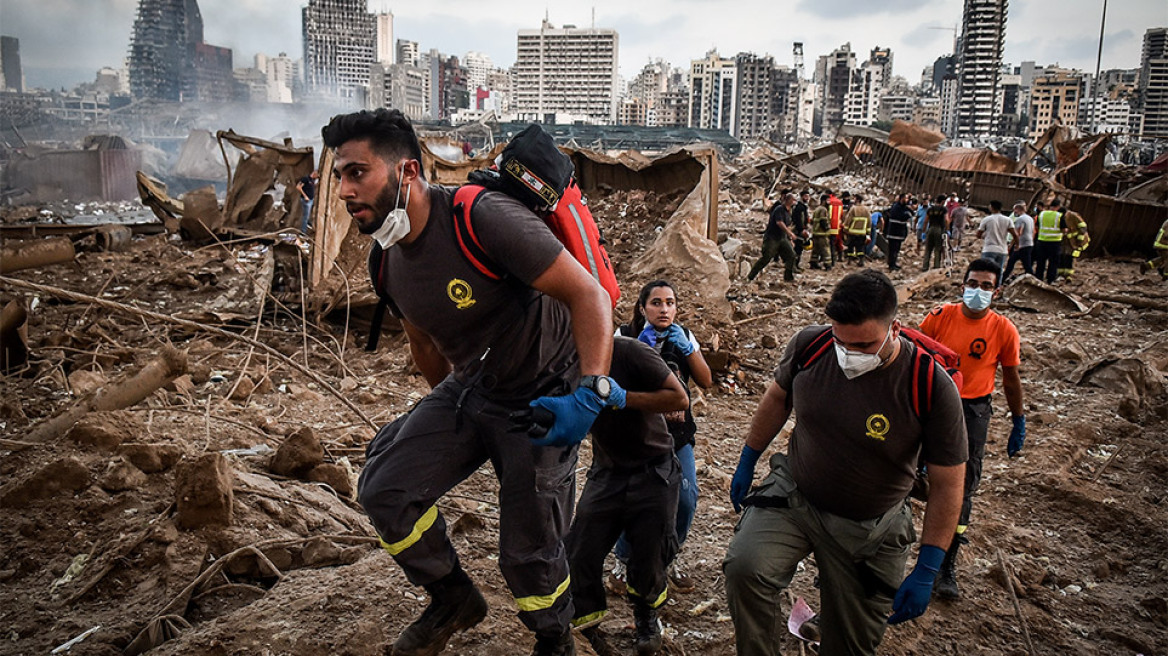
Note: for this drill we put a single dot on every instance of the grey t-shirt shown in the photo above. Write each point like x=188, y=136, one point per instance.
x=437, y=289
x=995, y=228
x=1024, y=224
x=627, y=438
x=854, y=448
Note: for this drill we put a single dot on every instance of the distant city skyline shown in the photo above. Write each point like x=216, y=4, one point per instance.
x=64, y=42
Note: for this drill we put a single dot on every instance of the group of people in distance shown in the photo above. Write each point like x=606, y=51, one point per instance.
x=523, y=367
x=1046, y=239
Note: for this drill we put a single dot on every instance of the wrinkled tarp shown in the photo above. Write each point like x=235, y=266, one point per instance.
x=200, y=158
x=968, y=159
x=904, y=133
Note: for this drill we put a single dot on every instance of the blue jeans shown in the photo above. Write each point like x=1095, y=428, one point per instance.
x=306, y=215
x=687, y=502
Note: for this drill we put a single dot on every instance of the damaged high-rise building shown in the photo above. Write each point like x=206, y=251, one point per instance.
x=169, y=60
x=979, y=64
x=570, y=71
x=340, y=44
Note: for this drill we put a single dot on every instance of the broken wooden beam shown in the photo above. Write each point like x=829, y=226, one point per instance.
x=1134, y=301
x=33, y=254
x=169, y=364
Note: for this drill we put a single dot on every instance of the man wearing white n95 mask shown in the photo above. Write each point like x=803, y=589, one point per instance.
x=489, y=347
x=841, y=489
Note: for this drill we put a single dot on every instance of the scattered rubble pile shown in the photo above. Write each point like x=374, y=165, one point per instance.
x=181, y=429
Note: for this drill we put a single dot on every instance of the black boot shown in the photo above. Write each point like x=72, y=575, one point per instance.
x=599, y=641
x=561, y=645
x=455, y=605
x=946, y=585
x=648, y=628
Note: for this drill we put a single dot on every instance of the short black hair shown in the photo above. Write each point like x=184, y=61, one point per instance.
x=1055, y=203
x=862, y=296
x=996, y=205
x=390, y=133
x=982, y=264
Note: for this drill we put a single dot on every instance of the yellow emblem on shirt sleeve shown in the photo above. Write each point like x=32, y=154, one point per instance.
x=877, y=426
x=459, y=291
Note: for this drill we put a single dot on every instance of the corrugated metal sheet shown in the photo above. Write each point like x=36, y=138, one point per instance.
x=80, y=175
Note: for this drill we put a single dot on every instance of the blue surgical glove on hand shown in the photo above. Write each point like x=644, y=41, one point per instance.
x=743, y=476
x=572, y=415
x=648, y=335
x=912, y=598
x=676, y=334
x=1017, y=436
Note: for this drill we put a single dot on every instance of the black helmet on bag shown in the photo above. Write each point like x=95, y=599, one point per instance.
x=533, y=170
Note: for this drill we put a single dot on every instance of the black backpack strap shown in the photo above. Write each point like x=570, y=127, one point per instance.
x=819, y=345
x=377, y=277
x=465, y=200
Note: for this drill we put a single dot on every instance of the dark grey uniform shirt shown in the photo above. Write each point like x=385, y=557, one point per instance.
x=854, y=448
x=437, y=289
x=628, y=438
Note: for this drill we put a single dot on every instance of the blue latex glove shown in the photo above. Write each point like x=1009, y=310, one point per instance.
x=1017, y=436
x=743, y=476
x=676, y=334
x=572, y=415
x=648, y=335
x=912, y=598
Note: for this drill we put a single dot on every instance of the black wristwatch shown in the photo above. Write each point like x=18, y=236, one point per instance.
x=602, y=385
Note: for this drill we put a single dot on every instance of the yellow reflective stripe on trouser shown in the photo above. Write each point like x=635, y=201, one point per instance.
x=656, y=602
x=961, y=529
x=421, y=526
x=542, y=602
x=590, y=618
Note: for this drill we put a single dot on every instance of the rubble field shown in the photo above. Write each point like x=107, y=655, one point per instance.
x=216, y=516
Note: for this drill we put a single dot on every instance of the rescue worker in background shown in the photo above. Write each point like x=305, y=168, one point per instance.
x=958, y=221
x=841, y=490
x=778, y=240
x=1160, y=262
x=1022, y=248
x=858, y=221
x=921, y=221
x=996, y=231
x=821, y=236
x=631, y=490
x=985, y=340
x=487, y=348
x=897, y=220
x=1075, y=241
x=801, y=224
x=306, y=187
x=935, y=225
x=655, y=323
x=835, y=210
x=1048, y=244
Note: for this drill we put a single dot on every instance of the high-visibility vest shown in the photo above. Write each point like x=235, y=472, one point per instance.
x=859, y=224
x=1048, y=226
x=820, y=223
x=1162, y=237
x=836, y=212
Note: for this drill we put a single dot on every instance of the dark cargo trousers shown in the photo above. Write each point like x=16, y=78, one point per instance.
x=977, y=425
x=640, y=502
x=420, y=456
x=861, y=565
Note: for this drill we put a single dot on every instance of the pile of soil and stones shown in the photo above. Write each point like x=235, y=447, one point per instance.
x=220, y=509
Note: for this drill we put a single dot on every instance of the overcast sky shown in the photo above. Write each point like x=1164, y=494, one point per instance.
x=63, y=42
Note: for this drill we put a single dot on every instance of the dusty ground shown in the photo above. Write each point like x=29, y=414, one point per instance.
x=1079, y=519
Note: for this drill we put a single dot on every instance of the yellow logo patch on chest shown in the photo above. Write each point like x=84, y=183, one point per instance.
x=460, y=292
x=877, y=426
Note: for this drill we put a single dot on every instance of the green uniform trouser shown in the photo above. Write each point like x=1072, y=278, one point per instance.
x=821, y=250
x=861, y=564
x=772, y=248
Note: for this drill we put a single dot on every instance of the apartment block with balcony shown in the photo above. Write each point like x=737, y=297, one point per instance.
x=566, y=70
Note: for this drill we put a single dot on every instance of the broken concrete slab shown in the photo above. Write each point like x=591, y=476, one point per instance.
x=204, y=493
x=1026, y=292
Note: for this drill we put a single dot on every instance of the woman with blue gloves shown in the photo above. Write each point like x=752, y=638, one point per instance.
x=654, y=323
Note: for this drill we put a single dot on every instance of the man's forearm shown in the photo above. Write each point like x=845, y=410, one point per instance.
x=592, y=330
x=768, y=419
x=1012, y=386
x=946, y=485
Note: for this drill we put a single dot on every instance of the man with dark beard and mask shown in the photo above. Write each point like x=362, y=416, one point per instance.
x=841, y=490
x=984, y=339
x=538, y=341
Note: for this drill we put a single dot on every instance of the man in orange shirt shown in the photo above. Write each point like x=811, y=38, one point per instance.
x=984, y=339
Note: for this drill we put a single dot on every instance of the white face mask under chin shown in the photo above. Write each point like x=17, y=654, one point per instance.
x=397, y=223
x=858, y=364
